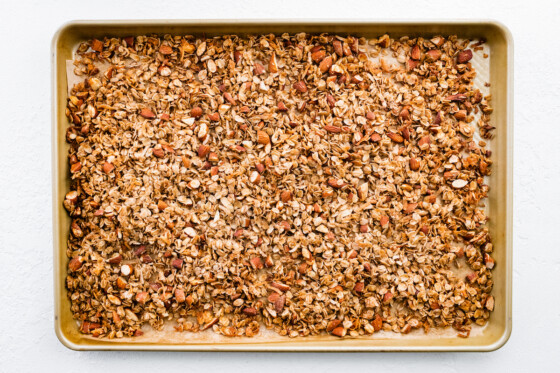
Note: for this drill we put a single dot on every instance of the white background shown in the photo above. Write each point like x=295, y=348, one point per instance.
x=27, y=339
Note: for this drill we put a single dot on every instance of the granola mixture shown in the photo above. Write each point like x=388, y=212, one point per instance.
x=304, y=183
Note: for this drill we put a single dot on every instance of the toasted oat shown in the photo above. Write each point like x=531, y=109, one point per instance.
x=310, y=184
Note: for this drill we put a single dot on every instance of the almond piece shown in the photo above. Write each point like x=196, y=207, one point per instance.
x=147, y=113
x=75, y=263
x=282, y=107
x=255, y=177
x=332, y=129
x=121, y=283
x=196, y=112
x=433, y=54
x=489, y=262
x=258, y=69
x=414, y=164
x=286, y=196
x=331, y=101
x=318, y=55
x=72, y=197
x=273, y=64
x=333, y=324
x=229, y=98
x=237, y=56
x=377, y=323
x=339, y=332
x=158, y=152
x=260, y=167
x=387, y=297
x=460, y=115
x=161, y=205
x=457, y=97
x=363, y=191
x=411, y=64
x=415, y=52
x=97, y=45
x=424, y=141
x=404, y=114
x=337, y=45
x=129, y=40
x=384, y=221
x=464, y=56
x=300, y=86
x=336, y=183
x=279, y=303
x=142, y=297
x=359, y=287
x=180, y=295
x=489, y=304
x=280, y=286
x=108, y=167
x=263, y=138
x=214, y=117
x=177, y=263
x=165, y=49
x=76, y=167
x=203, y=151
x=256, y=262
x=395, y=137
x=326, y=64
x=438, y=40
x=126, y=270
x=250, y=311
x=117, y=259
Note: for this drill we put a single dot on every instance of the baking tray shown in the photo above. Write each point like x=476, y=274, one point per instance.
x=491, y=337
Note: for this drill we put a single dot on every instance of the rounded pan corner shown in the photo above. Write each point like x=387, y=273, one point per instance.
x=61, y=30
x=502, y=29
x=63, y=338
x=501, y=342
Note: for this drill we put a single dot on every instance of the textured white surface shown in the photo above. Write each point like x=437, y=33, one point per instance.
x=27, y=339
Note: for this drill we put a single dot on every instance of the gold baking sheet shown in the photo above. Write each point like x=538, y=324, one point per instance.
x=497, y=70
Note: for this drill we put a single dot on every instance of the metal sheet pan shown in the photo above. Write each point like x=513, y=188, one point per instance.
x=491, y=337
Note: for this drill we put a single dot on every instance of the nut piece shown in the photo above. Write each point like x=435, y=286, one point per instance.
x=258, y=69
x=158, y=152
x=196, y=111
x=326, y=64
x=126, y=270
x=459, y=183
x=147, y=113
x=332, y=129
x=76, y=167
x=300, y=86
x=414, y=164
x=177, y=263
x=415, y=52
x=263, y=138
x=286, y=196
x=165, y=49
x=336, y=183
x=337, y=45
x=464, y=56
x=75, y=263
x=203, y=151
x=433, y=54
x=108, y=167
x=272, y=64
x=395, y=137
x=255, y=177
